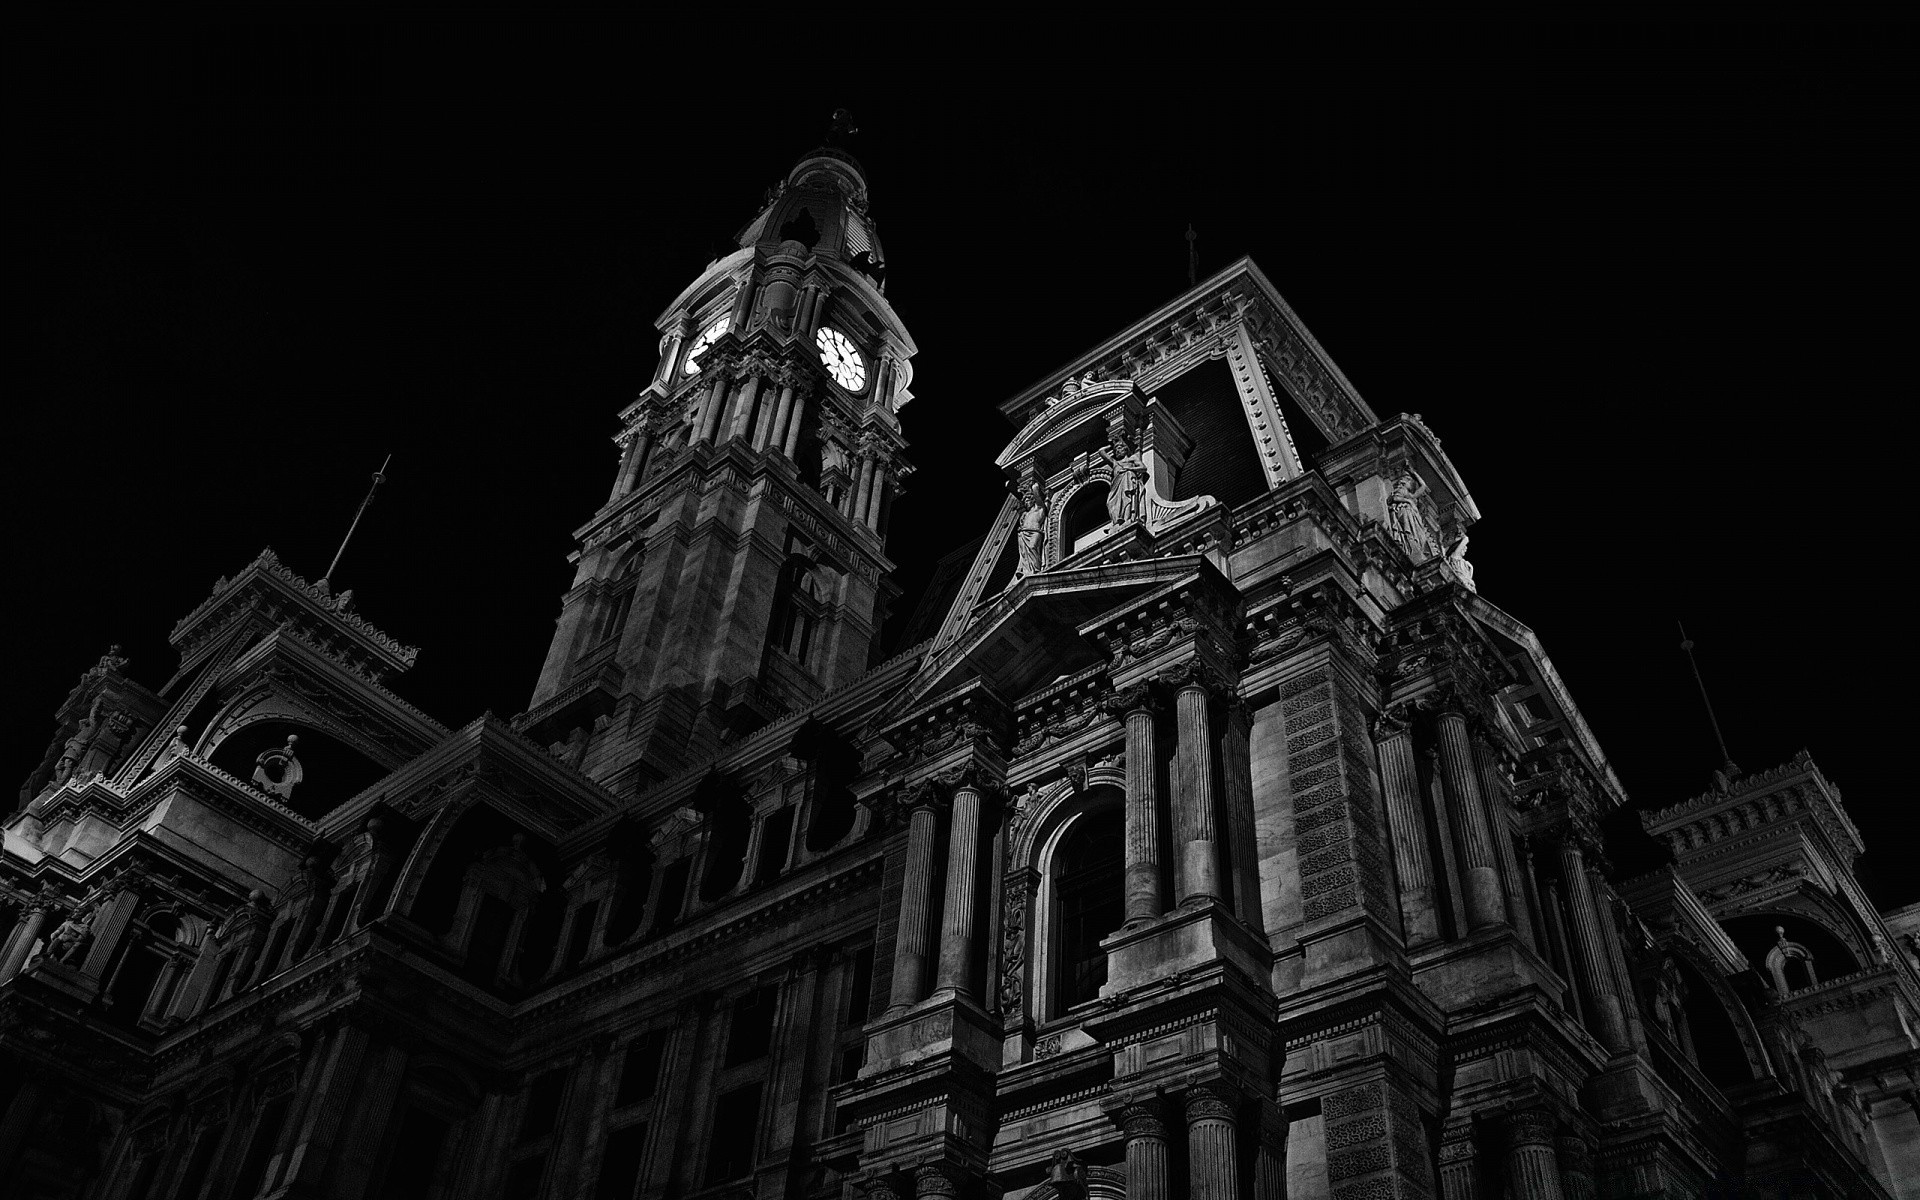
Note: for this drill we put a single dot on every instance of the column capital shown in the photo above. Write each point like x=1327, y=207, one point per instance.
x=1140, y=697
x=936, y=1179
x=1529, y=1127
x=1210, y=1102
x=1197, y=673
x=1392, y=721
x=1139, y=1116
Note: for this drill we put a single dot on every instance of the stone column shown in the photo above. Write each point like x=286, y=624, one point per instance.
x=910, y=940
x=109, y=924
x=1563, y=948
x=1270, y=1157
x=1197, y=866
x=1576, y=1167
x=1459, y=1170
x=1213, y=1163
x=863, y=484
x=957, y=914
x=742, y=305
x=1604, y=909
x=936, y=1181
x=711, y=409
x=1145, y=1128
x=1479, y=866
x=1590, y=960
x=883, y=1187
x=775, y=434
x=792, y=447
x=1495, y=795
x=1143, y=806
x=876, y=496
x=631, y=460
x=29, y=931
x=742, y=422
x=1400, y=779
x=1533, y=1172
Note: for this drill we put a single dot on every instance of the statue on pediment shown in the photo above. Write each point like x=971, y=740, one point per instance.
x=1457, y=563
x=71, y=937
x=70, y=754
x=1127, y=496
x=1406, y=524
x=1032, y=529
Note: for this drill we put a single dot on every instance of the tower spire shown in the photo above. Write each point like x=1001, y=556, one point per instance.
x=379, y=477
x=1193, y=256
x=1727, y=770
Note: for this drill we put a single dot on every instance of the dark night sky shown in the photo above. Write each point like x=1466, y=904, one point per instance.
x=1652, y=287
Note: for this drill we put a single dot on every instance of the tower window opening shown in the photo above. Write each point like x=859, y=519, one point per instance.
x=1089, y=898
x=1084, y=521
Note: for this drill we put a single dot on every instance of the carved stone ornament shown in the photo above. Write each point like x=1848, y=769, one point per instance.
x=1530, y=1127
x=279, y=771
x=1209, y=1102
x=1406, y=522
x=1147, y=1119
x=1138, y=698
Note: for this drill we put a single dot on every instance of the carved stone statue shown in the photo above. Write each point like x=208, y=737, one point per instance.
x=1128, y=494
x=176, y=748
x=1458, y=564
x=71, y=937
x=1032, y=530
x=1406, y=524
x=279, y=771
x=77, y=745
x=105, y=747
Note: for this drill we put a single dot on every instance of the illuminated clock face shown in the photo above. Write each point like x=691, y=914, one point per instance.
x=708, y=337
x=843, y=362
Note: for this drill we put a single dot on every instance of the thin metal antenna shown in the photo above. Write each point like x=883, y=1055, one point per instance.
x=1193, y=256
x=1686, y=643
x=379, y=477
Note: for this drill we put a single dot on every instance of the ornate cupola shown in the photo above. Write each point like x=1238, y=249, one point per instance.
x=738, y=569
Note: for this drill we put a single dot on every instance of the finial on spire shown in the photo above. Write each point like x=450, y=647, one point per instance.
x=1727, y=772
x=379, y=477
x=841, y=127
x=1193, y=256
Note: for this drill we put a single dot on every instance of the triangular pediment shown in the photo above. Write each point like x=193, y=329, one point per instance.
x=1032, y=633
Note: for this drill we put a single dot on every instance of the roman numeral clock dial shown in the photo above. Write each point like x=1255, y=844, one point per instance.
x=842, y=360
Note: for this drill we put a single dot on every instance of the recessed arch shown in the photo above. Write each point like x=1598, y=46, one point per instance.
x=1083, y=518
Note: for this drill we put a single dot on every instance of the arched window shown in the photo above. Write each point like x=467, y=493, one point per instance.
x=1089, y=902
x=1084, y=519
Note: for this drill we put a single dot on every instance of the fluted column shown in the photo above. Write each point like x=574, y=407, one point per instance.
x=1590, y=961
x=1519, y=899
x=1270, y=1156
x=711, y=409
x=1459, y=1170
x=957, y=914
x=1533, y=1172
x=870, y=515
x=1485, y=905
x=863, y=485
x=1576, y=1167
x=631, y=459
x=883, y=1187
x=935, y=1181
x=775, y=434
x=1143, y=807
x=1213, y=1164
x=1400, y=779
x=792, y=447
x=32, y=926
x=910, y=940
x=742, y=421
x=1145, y=1127
x=1197, y=867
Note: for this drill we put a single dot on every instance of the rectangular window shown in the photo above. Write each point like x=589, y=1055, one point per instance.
x=620, y=1166
x=859, y=1004
x=750, y=1035
x=416, y=1156
x=673, y=894
x=543, y=1106
x=337, y=919
x=736, y=1123
x=774, y=838
x=640, y=1074
x=579, y=938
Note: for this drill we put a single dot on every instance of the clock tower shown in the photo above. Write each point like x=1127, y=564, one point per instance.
x=738, y=569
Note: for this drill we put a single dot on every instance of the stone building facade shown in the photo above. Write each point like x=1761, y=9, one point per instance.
x=1218, y=840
